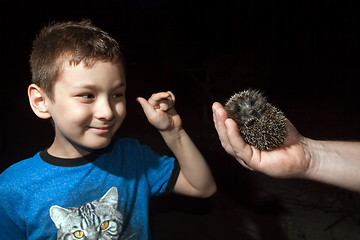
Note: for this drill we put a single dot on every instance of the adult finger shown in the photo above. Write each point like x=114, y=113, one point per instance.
x=240, y=148
x=220, y=115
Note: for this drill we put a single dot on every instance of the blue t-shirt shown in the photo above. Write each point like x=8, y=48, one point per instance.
x=101, y=196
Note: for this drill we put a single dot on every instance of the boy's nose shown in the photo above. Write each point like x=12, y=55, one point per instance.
x=104, y=110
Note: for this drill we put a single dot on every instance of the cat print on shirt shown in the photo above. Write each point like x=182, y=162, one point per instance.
x=97, y=220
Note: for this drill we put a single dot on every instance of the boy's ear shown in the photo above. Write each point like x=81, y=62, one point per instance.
x=38, y=101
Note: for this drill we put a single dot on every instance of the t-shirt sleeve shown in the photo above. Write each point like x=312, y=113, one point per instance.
x=9, y=229
x=173, y=178
x=161, y=172
x=11, y=223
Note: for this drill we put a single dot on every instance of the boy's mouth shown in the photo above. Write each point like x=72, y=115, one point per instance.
x=100, y=130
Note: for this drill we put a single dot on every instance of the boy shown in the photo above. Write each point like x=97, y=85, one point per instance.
x=86, y=186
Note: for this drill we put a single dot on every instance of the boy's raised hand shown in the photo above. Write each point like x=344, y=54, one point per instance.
x=159, y=110
x=195, y=178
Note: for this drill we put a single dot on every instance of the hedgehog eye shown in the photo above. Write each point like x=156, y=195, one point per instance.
x=79, y=234
x=234, y=107
x=251, y=111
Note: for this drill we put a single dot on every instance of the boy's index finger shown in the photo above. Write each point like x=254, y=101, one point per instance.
x=162, y=100
x=171, y=96
x=157, y=97
x=168, y=103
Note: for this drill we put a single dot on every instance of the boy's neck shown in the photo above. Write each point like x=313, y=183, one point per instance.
x=69, y=152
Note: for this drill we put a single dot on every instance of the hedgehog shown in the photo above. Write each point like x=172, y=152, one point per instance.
x=260, y=124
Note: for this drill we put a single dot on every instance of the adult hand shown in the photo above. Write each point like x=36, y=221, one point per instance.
x=289, y=160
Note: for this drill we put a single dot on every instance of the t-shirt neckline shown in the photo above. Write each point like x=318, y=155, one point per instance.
x=72, y=162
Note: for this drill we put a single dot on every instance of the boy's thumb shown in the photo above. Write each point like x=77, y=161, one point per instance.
x=145, y=105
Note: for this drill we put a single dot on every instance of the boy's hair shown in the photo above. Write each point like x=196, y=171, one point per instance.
x=73, y=43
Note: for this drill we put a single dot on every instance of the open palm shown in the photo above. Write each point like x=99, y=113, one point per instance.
x=289, y=160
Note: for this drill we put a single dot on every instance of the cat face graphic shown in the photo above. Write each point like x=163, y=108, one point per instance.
x=97, y=220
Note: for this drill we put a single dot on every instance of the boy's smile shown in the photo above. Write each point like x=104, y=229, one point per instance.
x=88, y=108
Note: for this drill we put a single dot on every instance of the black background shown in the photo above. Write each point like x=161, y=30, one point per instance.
x=304, y=55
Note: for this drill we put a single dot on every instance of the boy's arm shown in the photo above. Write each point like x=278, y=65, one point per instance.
x=12, y=225
x=195, y=178
x=331, y=162
x=8, y=229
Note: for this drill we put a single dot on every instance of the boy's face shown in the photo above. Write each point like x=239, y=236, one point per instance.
x=88, y=108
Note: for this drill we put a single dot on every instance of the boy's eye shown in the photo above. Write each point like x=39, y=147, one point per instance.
x=118, y=95
x=87, y=96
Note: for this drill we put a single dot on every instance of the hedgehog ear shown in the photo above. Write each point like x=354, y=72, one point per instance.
x=38, y=101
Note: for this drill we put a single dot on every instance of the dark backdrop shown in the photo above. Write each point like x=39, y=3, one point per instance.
x=304, y=55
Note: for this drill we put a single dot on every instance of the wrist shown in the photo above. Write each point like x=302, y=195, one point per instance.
x=333, y=162
x=311, y=157
x=175, y=133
